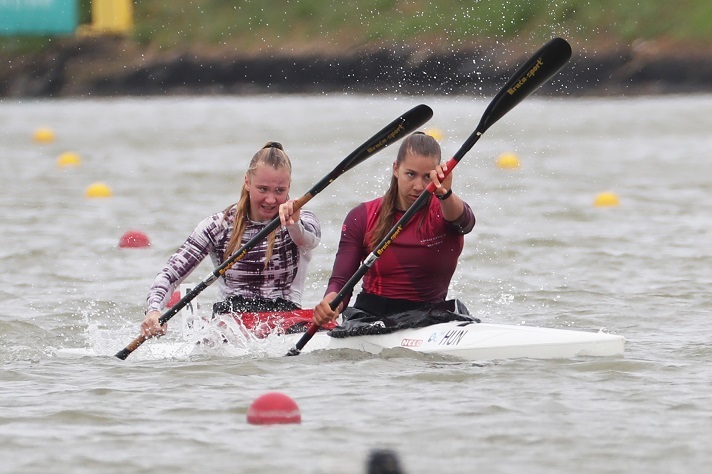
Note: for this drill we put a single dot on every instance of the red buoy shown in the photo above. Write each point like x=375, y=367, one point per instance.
x=273, y=408
x=175, y=297
x=134, y=239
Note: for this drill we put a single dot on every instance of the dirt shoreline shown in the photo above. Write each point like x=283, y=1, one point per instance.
x=115, y=67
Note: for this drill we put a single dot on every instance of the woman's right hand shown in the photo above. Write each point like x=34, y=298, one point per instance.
x=287, y=214
x=323, y=312
x=150, y=327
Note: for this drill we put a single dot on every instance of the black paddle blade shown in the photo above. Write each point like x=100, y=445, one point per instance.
x=391, y=133
x=529, y=77
x=123, y=354
x=293, y=352
x=297, y=349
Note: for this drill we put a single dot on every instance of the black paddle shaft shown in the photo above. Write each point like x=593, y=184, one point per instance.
x=546, y=62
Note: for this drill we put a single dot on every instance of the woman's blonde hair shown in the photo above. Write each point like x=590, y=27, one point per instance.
x=271, y=154
x=417, y=143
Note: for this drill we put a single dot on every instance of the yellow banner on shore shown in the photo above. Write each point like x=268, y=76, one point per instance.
x=112, y=16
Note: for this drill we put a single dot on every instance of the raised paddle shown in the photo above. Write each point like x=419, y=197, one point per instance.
x=393, y=132
x=536, y=71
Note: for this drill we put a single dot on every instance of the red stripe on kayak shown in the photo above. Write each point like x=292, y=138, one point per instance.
x=263, y=324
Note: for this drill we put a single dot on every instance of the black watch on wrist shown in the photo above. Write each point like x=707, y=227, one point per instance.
x=444, y=196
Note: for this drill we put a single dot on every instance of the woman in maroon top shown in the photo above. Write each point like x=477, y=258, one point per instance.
x=416, y=268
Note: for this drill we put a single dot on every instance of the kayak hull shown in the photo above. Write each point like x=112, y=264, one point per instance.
x=456, y=340
x=274, y=334
x=483, y=341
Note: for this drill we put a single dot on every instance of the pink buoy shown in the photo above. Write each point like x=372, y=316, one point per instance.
x=134, y=239
x=273, y=408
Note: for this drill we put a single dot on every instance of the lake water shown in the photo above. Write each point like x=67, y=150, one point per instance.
x=541, y=254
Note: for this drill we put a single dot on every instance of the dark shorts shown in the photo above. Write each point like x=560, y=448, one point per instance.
x=241, y=304
x=372, y=314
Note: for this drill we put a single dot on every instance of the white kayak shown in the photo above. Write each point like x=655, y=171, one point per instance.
x=485, y=341
x=457, y=340
x=462, y=340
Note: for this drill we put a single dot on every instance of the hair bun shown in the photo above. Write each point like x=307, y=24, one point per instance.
x=273, y=145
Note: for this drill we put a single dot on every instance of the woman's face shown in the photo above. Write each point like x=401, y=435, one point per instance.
x=268, y=188
x=413, y=175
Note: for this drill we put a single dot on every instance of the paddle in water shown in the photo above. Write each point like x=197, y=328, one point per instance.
x=399, y=128
x=546, y=62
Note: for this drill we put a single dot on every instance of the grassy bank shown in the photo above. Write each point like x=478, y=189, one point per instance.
x=258, y=25
x=296, y=26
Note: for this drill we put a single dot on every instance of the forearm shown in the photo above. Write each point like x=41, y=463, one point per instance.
x=303, y=237
x=465, y=220
x=344, y=269
x=452, y=207
x=163, y=286
x=178, y=267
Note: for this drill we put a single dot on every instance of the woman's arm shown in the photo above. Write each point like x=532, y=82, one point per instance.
x=305, y=232
x=456, y=211
x=188, y=256
x=348, y=258
x=351, y=250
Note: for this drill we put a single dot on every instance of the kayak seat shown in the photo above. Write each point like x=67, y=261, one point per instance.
x=357, y=322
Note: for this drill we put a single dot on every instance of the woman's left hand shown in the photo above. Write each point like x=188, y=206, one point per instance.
x=288, y=215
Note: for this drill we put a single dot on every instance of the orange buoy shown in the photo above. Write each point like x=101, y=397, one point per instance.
x=436, y=133
x=67, y=159
x=43, y=135
x=98, y=190
x=508, y=161
x=606, y=199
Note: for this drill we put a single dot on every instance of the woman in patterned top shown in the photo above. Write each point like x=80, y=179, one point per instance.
x=271, y=276
x=414, y=272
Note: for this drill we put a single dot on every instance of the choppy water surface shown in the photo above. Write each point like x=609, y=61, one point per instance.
x=541, y=254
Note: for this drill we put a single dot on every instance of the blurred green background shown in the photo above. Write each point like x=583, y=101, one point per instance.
x=298, y=26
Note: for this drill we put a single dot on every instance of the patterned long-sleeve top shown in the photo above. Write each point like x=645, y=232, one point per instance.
x=283, y=277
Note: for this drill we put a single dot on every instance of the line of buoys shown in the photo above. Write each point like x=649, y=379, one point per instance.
x=508, y=161
x=67, y=159
x=606, y=199
x=273, y=408
x=135, y=239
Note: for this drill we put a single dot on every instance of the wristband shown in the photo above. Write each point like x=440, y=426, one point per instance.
x=444, y=196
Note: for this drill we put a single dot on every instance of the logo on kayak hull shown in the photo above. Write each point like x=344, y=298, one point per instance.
x=411, y=342
x=447, y=338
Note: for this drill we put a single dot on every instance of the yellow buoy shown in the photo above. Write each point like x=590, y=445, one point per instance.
x=606, y=199
x=98, y=190
x=436, y=133
x=44, y=135
x=508, y=161
x=67, y=159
